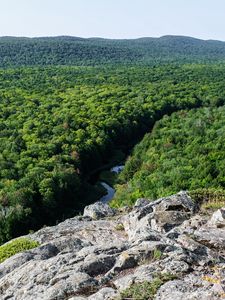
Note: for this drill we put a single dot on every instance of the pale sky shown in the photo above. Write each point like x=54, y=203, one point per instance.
x=113, y=18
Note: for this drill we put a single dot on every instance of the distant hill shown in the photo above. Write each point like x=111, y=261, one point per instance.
x=66, y=50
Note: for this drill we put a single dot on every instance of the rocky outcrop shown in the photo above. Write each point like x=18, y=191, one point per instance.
x=103, y=252
x=98, y=210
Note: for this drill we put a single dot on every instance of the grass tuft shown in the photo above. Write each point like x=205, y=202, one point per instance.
x=209, y=199
x=145, y=290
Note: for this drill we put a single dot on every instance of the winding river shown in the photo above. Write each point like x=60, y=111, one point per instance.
x=110, y=190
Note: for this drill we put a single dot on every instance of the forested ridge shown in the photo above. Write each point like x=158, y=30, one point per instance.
x=184, y=151
x=60, y=123
x=66, y=50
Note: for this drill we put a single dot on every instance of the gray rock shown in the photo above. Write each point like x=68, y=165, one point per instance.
x=89, y=258
x=78, y=298
x=203, y=253
x=148, y=271
x=190, y=288
x=69, y=284
x=172, y=211
x=218, y=219
x=43, y=252
x=181, y=202
x=213, y=238
x=104, y=294
x=141, y=202
x=188, y=226
x=124, y=282
x=164, y=221
x=98, y=210
x=94, y=265
x=161, y=215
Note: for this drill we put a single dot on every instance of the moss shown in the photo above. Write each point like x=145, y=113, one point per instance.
x=119, y=227
x=145, y=290
x=16, y=246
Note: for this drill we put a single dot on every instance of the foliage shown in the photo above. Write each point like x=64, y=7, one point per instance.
x=108, y=177
x=185, y=151
x=145, y=290
x=16, y=246
x=59, y=124
x=67, y=50
x=157, y=254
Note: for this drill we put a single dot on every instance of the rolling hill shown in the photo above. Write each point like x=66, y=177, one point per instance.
x=66, y=50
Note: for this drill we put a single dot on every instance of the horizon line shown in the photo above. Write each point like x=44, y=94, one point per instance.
x=106, y=38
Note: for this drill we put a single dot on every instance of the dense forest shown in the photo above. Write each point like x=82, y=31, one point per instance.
x=66, y=50
x=184, y=151
x=58, y=124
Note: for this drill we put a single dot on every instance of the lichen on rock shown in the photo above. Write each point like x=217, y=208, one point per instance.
x=89, y=258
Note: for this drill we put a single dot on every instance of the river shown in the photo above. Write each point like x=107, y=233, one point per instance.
x=110, y=190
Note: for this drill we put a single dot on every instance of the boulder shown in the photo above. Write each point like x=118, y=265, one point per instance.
x=213, y=238
x=218, y=219
x=164, y=221
x=98, y=210
x=179, y=202
x=141, y=202
x=161, y=215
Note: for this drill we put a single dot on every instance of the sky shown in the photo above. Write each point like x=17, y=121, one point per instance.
x=113, y=18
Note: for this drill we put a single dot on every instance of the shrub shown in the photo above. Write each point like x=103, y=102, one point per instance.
x=145, y=290
x=16, y=246
x=209, y=198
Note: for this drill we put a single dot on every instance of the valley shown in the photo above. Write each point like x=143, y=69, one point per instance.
x=59, y=124
x=112, y=181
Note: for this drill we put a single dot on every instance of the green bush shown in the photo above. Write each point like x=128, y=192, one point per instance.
x=145, y=290
x=15, y=247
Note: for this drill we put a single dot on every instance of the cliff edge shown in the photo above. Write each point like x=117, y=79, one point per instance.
x=110, y=254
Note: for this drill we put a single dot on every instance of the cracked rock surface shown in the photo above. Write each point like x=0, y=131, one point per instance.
x=100, y=254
